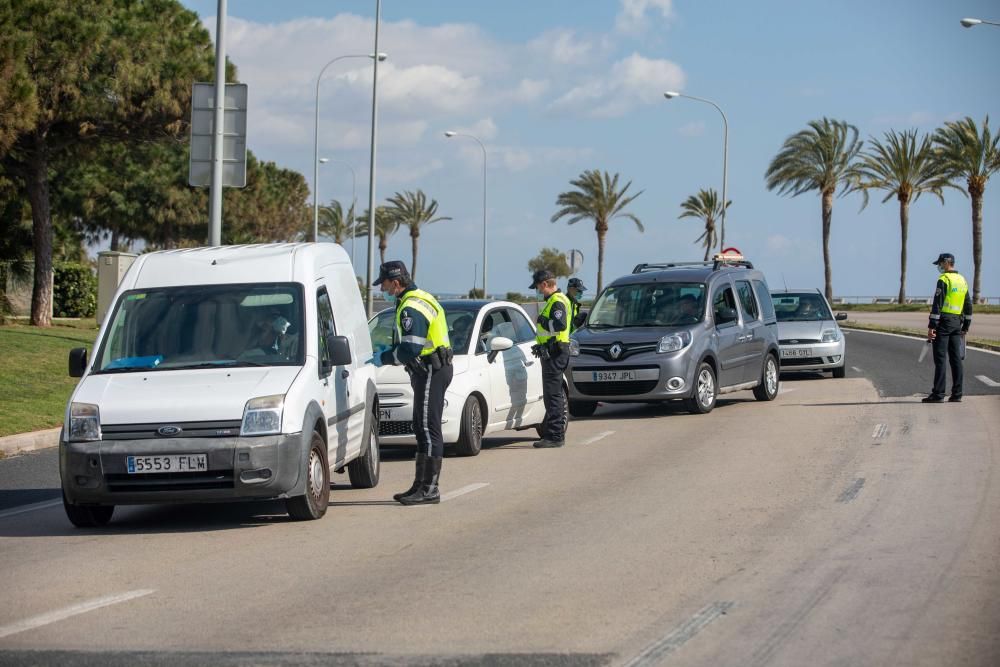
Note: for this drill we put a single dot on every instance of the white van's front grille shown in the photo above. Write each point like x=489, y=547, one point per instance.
x=206, y=429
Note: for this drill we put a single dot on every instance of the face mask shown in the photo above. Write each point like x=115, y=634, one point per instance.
x=389, y=296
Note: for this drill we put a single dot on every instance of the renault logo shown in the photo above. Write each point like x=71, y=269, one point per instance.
x=616, y=350
x=169, y=430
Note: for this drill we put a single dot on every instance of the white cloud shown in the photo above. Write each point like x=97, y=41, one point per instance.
x=562, y=46
x=407, y=176
x=695, y=129
x=632, y=17
x=632, y=81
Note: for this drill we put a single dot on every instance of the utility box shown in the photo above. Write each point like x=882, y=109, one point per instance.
x=111, y=268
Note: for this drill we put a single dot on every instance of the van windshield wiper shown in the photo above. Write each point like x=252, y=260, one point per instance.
x=128, y=369
x=216, y=364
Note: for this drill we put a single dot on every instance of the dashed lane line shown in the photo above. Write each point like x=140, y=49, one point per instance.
x=600, y=436
x=856, y=369
x=72, y=610
x=881, y=430
x=468, y=488
x=29, y=508
x=989, y=382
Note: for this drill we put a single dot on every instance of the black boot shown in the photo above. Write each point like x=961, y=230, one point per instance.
x=418, y=477
x=428, y=493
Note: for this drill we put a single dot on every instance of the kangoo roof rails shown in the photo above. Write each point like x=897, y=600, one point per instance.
x=660, y=266
x=728, y=257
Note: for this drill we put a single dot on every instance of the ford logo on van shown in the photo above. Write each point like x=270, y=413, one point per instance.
x=169, y=430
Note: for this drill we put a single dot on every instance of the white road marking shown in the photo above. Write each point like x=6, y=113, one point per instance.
x=72, y=610
x=881, y=430
x=987, y=381
x=600, y=436
x=30, y=508
x=786, y=390
x=856, y=369
x=469, y=488
x=922, y=339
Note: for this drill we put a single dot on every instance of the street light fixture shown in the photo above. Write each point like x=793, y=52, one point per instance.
x=968, y=23
x=725, y=154
x=354, y=197
x=449, y=134
x=316, y=159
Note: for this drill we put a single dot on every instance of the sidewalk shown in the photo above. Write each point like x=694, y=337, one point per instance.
x=28, y=442
x=983, y=326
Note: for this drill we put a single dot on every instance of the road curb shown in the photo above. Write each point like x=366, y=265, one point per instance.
x=29, y=442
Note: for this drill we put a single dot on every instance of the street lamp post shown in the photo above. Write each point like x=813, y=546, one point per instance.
x=969, y=23
x=369, y=302
x=725, y=154
x=451, y=134
x=354, y=196
x=381, y=57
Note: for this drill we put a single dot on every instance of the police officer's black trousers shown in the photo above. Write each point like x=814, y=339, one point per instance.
x=554, y=426
x=428, y=406
x=948, y=346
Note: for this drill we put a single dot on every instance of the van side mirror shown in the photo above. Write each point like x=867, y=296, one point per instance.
x=77, y=362
x=498, y=345
x=841, y=317
x=338, y=352
x=725, y=315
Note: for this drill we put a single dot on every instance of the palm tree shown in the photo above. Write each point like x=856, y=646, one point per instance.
x=411, y=209
x=386, y=225
x=705, y=206
x=965, y=153
x=904, y=167
x=821, y=158
x=597, y=198
x=335, y=222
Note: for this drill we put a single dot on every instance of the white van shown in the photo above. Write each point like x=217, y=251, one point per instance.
x=226, y=373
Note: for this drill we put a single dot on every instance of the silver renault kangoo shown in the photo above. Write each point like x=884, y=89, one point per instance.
x=677, y=331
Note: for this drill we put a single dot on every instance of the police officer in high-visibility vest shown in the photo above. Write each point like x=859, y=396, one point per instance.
x=951, y=316
x=575, y=290
x=552, y=347
x=420, y=343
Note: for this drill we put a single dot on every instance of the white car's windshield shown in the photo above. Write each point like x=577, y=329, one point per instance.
x=460, y=323
x=649, y=305
x=204, y=326
x=800, y=307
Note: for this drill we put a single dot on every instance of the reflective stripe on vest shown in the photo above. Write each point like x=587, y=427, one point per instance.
x=437, y=331
x=543, y=335
x=954, y=298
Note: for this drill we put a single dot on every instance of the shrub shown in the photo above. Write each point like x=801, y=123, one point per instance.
x=75, y=291
x=516, y=297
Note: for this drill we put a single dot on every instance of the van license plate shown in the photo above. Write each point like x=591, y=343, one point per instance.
x=615, y=376
x=800, y=352
x=385, y=414
x=167, y=463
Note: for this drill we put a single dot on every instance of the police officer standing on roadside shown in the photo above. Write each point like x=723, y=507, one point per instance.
x=575, y=290
x=951, y=316
x=420, y=343
x=552, y=347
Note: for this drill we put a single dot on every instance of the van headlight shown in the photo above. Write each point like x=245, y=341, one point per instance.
x=84, y=422
x=574, y=347
x=674, y=342
x=831, y=335
x=262, y=416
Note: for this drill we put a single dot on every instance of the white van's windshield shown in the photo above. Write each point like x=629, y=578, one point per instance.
x=649, y=305
x=204, y=326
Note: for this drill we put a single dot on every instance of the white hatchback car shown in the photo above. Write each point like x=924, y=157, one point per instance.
x=808, y=334
x=497, y=383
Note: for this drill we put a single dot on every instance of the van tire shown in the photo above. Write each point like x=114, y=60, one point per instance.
x=582, y=408
x=706, y=391
x=770, y=380
x=470, y=436
x=364, y=470
x=312, y=505
x=88, y=516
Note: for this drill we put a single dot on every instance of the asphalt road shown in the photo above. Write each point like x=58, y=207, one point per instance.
x=843, y=524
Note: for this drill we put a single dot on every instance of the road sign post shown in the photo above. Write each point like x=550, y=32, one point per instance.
x=234, y=137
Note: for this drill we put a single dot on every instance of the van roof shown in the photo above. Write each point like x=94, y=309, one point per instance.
x=697, y=273
x=259, y=263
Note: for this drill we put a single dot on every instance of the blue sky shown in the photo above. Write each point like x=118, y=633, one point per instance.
x=555, y=87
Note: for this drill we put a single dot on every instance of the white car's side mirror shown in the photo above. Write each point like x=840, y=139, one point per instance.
x=498, y=345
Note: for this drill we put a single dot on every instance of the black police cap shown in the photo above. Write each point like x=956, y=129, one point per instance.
x=577, y=283
x=540, y=276
x=394, y=270
x=944, y=257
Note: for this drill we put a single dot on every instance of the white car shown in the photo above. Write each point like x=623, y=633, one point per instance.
x=808, y=333
x=497, y=383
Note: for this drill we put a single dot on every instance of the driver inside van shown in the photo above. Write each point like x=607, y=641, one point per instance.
x=267, y=336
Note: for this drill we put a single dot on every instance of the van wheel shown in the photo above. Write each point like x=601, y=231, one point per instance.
x=840, y=372
x=705, y=391
x=582, y=408
x=313, y=504
x=470, y=437
x=364, y=471
x=767, y=390
x=88, y=516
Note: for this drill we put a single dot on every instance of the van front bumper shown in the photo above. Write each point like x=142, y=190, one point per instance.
x=657, y=377
x=238, y=469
